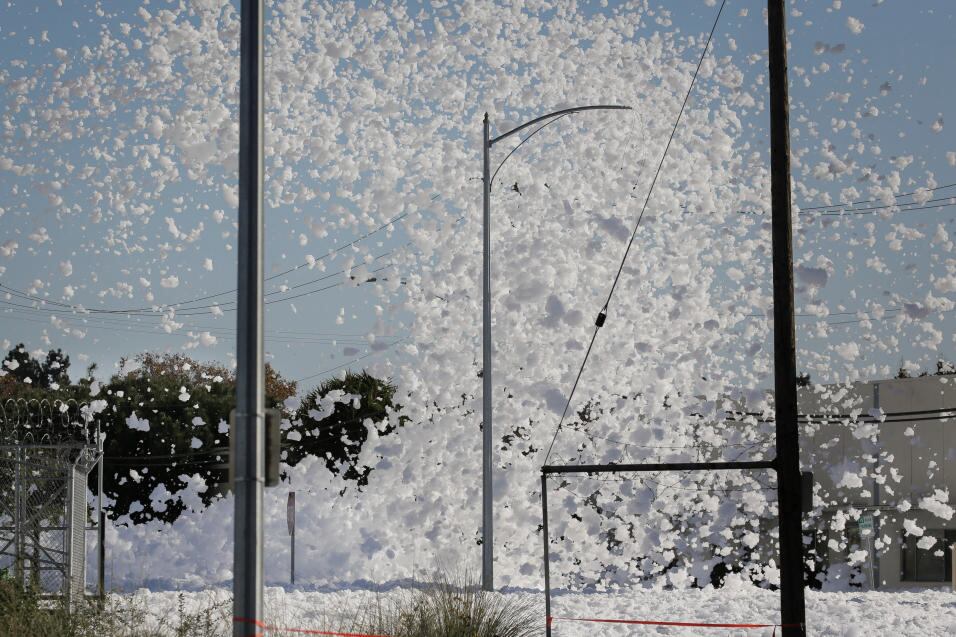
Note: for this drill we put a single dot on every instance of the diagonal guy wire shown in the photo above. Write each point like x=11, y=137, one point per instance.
x=660, y=165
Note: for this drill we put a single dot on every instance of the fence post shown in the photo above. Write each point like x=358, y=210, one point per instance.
x=547, y=562
x=101, y=529
x=101, y=557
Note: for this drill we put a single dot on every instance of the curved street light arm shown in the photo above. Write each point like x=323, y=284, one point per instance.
x=535, y=132
x=564, y=111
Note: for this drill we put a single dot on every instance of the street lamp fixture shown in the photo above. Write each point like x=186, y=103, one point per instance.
x=487, y=531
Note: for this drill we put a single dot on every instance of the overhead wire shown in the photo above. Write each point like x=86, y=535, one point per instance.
x=863, y=201
x=852, y=207
x=304, y=340
x=349, y=363
x=894, y=311
x=115, y=322
x=215, y=309
x=279, y=336
x=181, y=314
x=177, y=304
x=899, y=208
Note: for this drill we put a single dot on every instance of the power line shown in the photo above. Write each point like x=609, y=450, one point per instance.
x=304, y=340
x=174, y=305
x=602, y=315
x=878, y=209
x=854, y=321
x=868, y=211
x=863, y=201
x=943, y=413
x=354, y=360
x=341, y=337
x=840, y=313
x=152, y=312
x=849, y=209
x=214, y=308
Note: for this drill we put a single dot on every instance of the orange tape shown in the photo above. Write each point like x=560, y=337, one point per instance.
x=550, y=621
x=645, y=622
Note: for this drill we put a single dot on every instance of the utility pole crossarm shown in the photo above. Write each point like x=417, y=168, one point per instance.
x=565, y=111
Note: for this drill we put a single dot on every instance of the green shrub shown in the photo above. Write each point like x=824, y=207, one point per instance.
x=452, y=607
x=24, y=613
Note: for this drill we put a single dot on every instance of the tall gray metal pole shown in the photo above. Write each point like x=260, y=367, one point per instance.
x=875, y=533
x=250, y=398
x=487, y=523
x=101, y=560
x=101, y=525
x=290, y=523
x=792, y=603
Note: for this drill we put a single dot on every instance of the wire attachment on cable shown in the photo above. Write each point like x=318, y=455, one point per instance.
x=601, y=317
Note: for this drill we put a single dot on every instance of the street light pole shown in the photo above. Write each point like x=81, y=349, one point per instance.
x=250, y=399
x=487, y=527
x=487, y=510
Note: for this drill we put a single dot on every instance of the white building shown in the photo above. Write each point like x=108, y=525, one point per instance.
x=883, y=455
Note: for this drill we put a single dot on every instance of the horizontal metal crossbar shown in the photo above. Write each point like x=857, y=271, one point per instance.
x=68, y=446
x=663, y=466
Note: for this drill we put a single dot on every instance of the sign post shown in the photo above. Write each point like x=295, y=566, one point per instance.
x=953, y=562
x=866, y=533
x=290, y=520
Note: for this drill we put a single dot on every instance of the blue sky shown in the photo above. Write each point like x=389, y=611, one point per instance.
x=905, y=47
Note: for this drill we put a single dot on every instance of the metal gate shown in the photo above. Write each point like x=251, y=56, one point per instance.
x=47, y=450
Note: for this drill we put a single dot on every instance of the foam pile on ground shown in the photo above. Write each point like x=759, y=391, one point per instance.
x=923, y=613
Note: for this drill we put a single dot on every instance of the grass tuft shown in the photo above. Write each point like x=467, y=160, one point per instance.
x=442, y=607
x=24, y=613
x=451, y=607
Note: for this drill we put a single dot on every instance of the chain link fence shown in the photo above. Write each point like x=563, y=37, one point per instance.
x=47, y=450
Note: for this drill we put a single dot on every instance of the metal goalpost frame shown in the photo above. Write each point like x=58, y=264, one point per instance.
x=787, y=462
x=547, y=470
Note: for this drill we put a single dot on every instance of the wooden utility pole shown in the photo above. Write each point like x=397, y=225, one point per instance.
x=792, y=603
